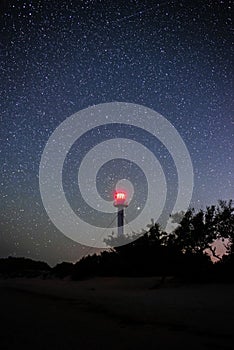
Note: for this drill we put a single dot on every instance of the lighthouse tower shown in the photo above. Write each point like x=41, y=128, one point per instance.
x=120, y=203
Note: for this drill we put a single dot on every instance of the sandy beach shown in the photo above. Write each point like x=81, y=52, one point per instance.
x=115, y=313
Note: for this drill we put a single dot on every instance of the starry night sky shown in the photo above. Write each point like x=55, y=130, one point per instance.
x=58, y=57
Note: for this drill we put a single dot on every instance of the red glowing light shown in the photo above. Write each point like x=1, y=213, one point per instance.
x=120, y=199
x=120, y=196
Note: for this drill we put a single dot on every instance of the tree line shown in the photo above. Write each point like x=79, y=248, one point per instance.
x=187, y=253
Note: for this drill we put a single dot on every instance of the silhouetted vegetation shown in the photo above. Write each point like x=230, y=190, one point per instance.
x=22, y=267
x=185, y=253
x=62, y=270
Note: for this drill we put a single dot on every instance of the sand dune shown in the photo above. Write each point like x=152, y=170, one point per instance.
x=115, y=313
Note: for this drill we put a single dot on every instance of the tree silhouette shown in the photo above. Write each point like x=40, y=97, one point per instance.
x=198, y=231
x=153, y=252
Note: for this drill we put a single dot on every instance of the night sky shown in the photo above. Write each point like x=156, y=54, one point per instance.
x=59, y=57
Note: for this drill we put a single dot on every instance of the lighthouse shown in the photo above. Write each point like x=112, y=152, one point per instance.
x=120, y=202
